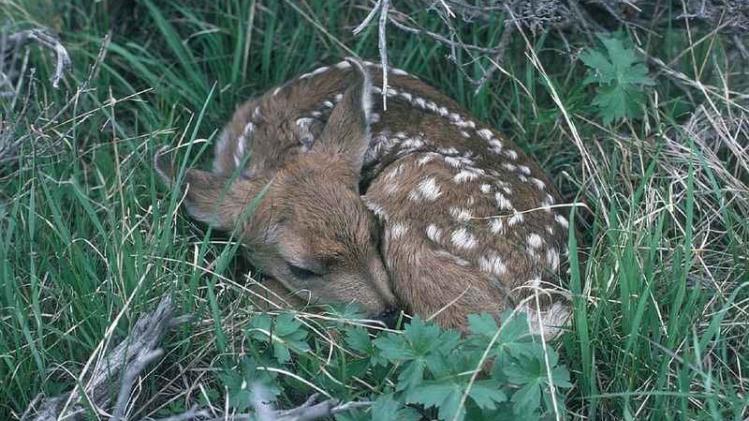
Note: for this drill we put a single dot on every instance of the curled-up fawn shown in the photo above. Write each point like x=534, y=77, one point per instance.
x=418, y=206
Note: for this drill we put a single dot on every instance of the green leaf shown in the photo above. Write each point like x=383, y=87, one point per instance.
x=411, y=375
x=284, y=332
x=621, y=77
x=387, y=408
x=487, y=394
x=445, y=396
x=482, y=324
x=527, y=399
x=239, y=384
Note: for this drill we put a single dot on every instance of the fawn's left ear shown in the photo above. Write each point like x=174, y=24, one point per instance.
x=212, y=198
x=347, y=129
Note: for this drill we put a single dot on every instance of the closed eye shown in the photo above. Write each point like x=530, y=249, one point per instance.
x=301, y=273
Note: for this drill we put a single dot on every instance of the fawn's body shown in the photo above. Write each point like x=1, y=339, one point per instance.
x=468, y=222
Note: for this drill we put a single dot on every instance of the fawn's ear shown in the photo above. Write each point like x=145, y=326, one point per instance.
x=211, y=198
x=347, y=129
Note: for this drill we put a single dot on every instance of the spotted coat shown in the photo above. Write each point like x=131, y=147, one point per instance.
x=469, y=222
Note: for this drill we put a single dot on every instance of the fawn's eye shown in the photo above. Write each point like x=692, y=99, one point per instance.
x=301, y=273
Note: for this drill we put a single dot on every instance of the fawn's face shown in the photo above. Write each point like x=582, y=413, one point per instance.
x=305, y=223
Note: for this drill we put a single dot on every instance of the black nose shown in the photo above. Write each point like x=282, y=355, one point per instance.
x=389, y=317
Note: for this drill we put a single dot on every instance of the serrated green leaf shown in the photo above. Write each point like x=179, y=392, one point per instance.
x=482, y=324
x=621, y=77
x=394, y=347
x=411, y=375
x=284, y=332
x=487, y=394
x=387, y=408
x=358, y=340
x=527, y=399
x=445, y=396
x=239, y=384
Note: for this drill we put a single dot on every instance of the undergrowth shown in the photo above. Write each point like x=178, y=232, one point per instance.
x=643, y=130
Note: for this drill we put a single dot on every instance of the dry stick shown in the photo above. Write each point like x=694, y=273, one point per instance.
x=44, y=39
x=382, y=6
x=131, y=355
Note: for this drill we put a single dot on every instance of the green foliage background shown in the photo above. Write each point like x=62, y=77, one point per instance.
x=88, y=236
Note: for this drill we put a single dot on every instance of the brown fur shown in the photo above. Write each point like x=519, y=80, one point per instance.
x=428, y=170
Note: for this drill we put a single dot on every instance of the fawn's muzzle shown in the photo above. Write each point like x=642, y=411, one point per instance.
x=389, y=317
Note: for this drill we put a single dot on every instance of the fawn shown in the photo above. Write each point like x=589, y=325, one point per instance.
x=461, y=220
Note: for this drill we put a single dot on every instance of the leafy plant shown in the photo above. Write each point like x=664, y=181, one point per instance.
x=621, y=78
x=435, y=370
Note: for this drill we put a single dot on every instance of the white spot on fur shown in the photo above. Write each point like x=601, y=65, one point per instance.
x=398, y=72
x=515, y=219
x=534, y=241
x=486, y=188
x=465, y=175
x=397, y=231
x=508, y=166
x=465, y=134
x=453, y=161
x=492, y=264
x=511, y=154
x=463, y=239
x=496, y=225
x=376, y=209
x=454, y=117
x=461, y=214
x=374, y=118
x=343, y=65
x=276, y=91
x=425, y=159
x=485, y=134
x=502, y=201
x=328, y=104
x=448, y=151
x=561, y=220
x=400, y=135
x=316, y=114
x=552, y=258
x=338, y=97
x=547, y=202
x=420, y=102
x=412, y=143
x=434, y=233
x=507, y=190
x=524, y=169
x=256, y=114
x=427, y=189
x=550, y=229
x=443, y=111
x=495, y=146
x=406, y=95
x=538, y=183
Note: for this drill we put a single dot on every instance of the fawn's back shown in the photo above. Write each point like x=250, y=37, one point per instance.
x=467, y=222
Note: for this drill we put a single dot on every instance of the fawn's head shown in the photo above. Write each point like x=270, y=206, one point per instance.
x=304, y=221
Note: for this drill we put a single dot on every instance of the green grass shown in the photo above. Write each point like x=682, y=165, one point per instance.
x=87, y=233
